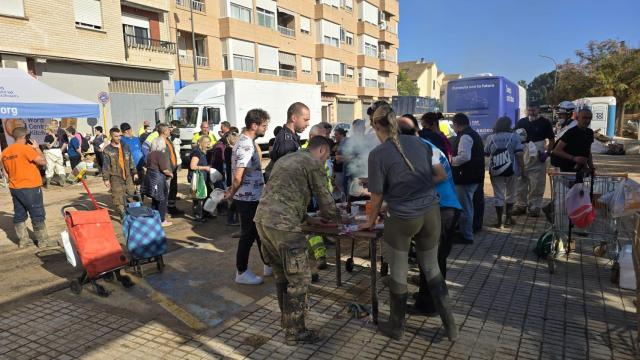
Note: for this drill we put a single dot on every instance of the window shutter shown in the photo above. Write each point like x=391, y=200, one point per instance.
x=305, y=24
x=12, y=7
x=88, y=12
x=287, y=59
x=245, y=3
x=306, y=64
x=267, y=5
x=244, y=48
x=267, y=57
x=134, y=20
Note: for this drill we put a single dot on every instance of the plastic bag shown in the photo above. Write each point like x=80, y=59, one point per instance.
x=68, y=249
x=626, y=199
x=214, y=176
x=213, y=200
x=198, y=185
x=579, y=207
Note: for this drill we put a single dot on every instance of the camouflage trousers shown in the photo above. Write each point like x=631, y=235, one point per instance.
x=287, y=252
x=120, y=187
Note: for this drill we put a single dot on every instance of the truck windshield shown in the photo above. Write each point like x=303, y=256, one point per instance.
x=186, y=117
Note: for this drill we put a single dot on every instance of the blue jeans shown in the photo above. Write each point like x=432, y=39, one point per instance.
x=28, y=201
x=465, y=196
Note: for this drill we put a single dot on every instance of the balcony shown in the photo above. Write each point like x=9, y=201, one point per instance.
x=332, y=88
x=289, y=74
x=328, y=52
x=387, y=64
x=392, y=7
x=198, y=6
x=142, y=43
x=238, y=29
x=286, y=31
x=187, y=60
x=386, y=90
x=367, y=61
x=367, y=28
x=153, y=4
x=387, y=37
x=368, y=91
x=329, y=13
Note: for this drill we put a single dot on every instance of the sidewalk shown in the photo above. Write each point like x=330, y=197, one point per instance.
x=506, y=303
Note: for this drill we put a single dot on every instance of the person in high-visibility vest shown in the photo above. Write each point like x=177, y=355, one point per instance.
x=204, y=131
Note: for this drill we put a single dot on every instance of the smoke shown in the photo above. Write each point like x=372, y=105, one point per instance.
x=356, y=152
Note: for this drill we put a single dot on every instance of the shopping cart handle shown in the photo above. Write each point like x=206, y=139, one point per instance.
x=74, y=206
x=81, y=174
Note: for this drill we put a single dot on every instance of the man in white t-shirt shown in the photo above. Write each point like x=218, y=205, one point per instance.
x=246, y=190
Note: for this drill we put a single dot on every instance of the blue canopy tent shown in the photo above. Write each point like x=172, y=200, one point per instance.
x=22, y=97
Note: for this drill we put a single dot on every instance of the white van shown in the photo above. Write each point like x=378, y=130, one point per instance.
x=230, y=99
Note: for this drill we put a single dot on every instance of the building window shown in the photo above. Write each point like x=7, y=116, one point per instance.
x=331, y=41
x=225, y=61
x=88, y=13
x=12, y=8
x=332, y=78
x=244, y=63
x=266, y=18
x=371, y=50
x=138, y=35
x=434, y=84
x=350, y=71
x=305, y=25
x=370, y=83
x=347, y=5
x=346, y=37
x=240, y=12
x=305, y=63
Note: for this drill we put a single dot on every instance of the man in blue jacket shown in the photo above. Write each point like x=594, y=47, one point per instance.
x=134, y=145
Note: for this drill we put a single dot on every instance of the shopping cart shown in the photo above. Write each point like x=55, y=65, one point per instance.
x=603, y=232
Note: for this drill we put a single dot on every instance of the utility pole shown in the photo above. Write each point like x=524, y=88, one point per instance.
x=193, y=43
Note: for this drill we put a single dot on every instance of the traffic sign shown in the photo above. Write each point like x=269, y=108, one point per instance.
x=103, y=97
x=92, y=121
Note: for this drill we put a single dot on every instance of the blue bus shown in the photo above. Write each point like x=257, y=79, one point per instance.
x=484, y=99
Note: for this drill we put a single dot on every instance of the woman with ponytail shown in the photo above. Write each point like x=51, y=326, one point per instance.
x=400, y=173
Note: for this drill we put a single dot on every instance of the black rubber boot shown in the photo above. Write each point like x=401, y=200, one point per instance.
x=509, y=220
x=498, y=224
x=442, y=302
x=394, y=328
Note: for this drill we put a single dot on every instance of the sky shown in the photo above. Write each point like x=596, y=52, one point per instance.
x=506, y=37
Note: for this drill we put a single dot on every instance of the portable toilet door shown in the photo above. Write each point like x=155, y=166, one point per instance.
x=604, y=113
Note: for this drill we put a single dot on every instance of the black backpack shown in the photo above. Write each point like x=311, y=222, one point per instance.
x=84, y=146
x=501, y=162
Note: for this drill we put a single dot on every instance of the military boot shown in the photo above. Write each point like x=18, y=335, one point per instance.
x=42, y=237
x=440, y=294
x=394, y=328
x=23, y=234
x=293, y=313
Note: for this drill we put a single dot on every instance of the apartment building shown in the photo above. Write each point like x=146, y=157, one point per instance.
x=349, y=47
x=85, y=47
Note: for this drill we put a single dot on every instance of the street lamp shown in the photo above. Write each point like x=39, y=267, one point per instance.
x=193, y=43
x=555, y=81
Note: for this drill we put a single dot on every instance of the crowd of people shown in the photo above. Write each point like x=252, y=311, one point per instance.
x=423, y=183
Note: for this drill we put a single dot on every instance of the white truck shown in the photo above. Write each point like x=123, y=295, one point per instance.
x=230, y=99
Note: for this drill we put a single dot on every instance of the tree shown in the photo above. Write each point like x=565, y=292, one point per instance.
x=522, y=83
x=540, y=88
x=615, y=71
x=406, y=87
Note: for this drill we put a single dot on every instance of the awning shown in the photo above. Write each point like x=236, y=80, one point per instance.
x=22, y=96
x=287, y=59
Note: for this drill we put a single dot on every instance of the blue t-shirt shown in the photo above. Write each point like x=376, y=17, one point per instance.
x=74, y=147
x=446, y=189
x=136, y=150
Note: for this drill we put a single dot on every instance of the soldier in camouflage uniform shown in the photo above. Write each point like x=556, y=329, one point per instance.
x=294, y=180
x=118, y=170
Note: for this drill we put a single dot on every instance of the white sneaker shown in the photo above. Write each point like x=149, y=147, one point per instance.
x=248, y=278
x=267, y=271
